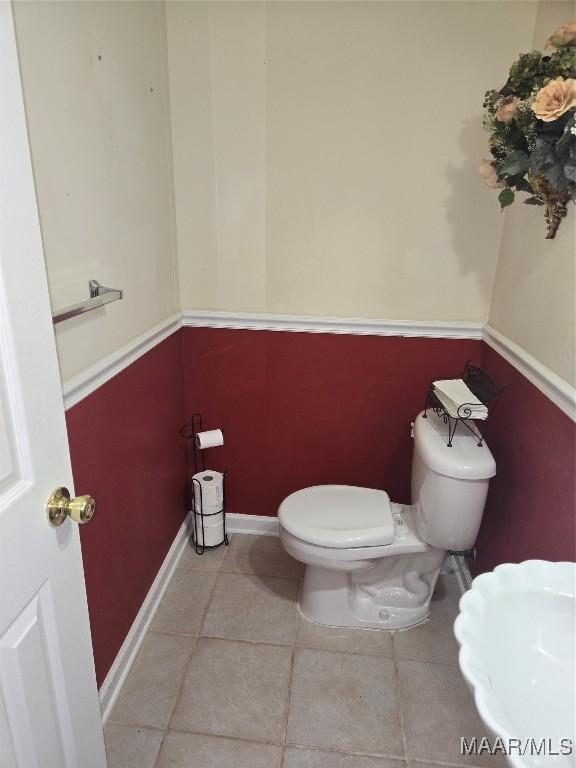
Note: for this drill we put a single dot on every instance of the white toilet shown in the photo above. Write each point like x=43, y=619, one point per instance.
x=373, y=563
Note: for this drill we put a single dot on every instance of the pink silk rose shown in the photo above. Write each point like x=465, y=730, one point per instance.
x=488, y=174
x=564, y=35
x=507, y=111
x=554, y=100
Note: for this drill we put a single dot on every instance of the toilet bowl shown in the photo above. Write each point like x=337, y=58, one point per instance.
x=373, y=563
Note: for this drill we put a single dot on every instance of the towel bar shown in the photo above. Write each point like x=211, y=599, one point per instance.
x=99, y=296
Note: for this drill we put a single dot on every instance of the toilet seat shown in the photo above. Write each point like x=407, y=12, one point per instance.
x=339, y=516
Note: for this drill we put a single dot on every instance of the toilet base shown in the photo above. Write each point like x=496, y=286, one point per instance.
x=391, y=593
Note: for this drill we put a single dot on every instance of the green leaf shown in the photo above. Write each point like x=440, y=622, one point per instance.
x=523, y=185
x=555, y=175
x=517, y=163
x=506, y=197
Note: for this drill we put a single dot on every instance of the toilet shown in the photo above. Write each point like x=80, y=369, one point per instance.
x=374, y=563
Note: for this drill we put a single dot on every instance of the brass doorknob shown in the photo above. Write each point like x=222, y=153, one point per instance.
x=60, y=506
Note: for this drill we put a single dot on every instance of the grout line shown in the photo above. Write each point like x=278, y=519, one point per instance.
x=429, y=661
x=346, y=653
x=221, y=570
x=334, y=750
x=160, y=749
x=243, y=739
x=133, y=724
x=276, y=643
x=173, y=633
x=375, y=654
x=263, y=575
x=193, y=569
x=291, y=679
x=395, y=661
x=300, y=646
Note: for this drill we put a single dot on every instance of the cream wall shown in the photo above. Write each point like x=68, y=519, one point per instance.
x=296, y=131
x=534, y=300
x=326, y=154
x=96, y=92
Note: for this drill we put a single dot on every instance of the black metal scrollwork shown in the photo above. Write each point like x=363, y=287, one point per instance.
x=481, y=385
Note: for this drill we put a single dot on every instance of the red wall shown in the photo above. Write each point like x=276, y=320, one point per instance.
x=297, y=409
x=300, y=409
x=531, y=506
x=126, y=452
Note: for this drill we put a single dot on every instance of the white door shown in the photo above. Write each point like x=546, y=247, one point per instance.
x=49, y=710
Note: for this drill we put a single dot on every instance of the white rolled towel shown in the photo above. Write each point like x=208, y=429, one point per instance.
x=453, y=394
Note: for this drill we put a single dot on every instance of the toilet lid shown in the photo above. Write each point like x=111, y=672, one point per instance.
x=338, y=516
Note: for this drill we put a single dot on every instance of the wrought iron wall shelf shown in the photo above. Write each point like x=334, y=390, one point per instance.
x=99, y=296
x=482, y=386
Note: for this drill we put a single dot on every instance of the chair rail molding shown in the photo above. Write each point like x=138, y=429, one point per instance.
x=559, y=391
x=556, y=389
x=352, y=326
x=83, y=384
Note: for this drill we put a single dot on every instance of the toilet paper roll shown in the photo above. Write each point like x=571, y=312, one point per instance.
x=208, y=490
x=213, y=532
x=209, y=439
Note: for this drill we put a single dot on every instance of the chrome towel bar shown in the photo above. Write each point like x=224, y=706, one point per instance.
x=99, y=295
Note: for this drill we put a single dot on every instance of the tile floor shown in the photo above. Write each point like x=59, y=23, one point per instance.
x=231, y=676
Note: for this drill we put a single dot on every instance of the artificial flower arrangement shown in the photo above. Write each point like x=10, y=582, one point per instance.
x=532, y=125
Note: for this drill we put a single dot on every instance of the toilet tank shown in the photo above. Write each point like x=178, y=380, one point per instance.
x=449, y=485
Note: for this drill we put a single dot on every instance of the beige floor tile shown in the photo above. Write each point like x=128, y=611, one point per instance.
x=235, y=689
x=264, y=555
x=438, y=710
x=372, y=642
x=259, y=608
x=434, y=640
x=345, y=701
x=150, y=690
x=131, y=746
x=210, y=560
x=191, y=750
x=184, y=602
x=296, y=757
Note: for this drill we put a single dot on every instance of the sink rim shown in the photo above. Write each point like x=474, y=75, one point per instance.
x=542, y=575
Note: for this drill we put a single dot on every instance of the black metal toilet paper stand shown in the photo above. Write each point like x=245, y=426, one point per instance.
x=189, y=432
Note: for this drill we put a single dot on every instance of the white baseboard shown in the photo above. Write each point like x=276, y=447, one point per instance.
x=258, y=525
x=118, y=671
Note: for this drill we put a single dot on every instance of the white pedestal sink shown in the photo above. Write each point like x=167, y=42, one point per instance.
x=516, y=631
